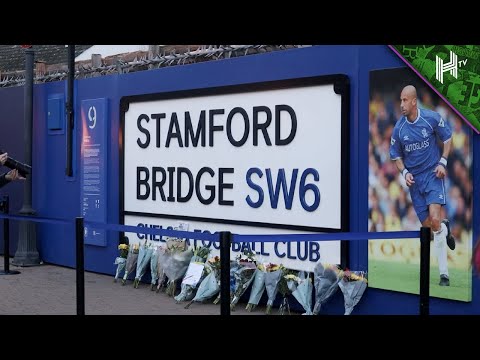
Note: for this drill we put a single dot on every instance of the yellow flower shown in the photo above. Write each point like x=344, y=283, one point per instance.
x=273, y=267
x=351, y=276
x=123, y=247
x=357, y=278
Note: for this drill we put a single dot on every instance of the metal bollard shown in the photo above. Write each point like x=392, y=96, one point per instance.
x=425, y=235
x=4, y=209
x=80, y=265
x=225, y=242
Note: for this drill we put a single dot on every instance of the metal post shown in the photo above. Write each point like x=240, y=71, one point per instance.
x=80, y=267
x=27, y=253
x=225, y=241
x=69, y=109
x=425, y=236
x=4, y=207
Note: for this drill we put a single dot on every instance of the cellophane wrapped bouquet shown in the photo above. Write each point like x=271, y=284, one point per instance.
x=258, y=287
x=144, y=255
x=210, y=285
x=302, y=289
x=326, y=279
x=284, y=289
x=131, y=262
x=273, y=275
x=162, y=277
x=194, y=275
x=175, y=263
x=353, y=284
x=121, y=260
x=233, y=267
x=154, y=273
x=243, y=275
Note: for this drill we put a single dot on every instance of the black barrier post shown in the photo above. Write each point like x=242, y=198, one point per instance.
x=225, y=241
x=4, y=209
x=80, y=268
x=425, y=236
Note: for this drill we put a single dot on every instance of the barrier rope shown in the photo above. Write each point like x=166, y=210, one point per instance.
x=37, y=219
x=327, y=237
x=154, y=231
x=236, y=238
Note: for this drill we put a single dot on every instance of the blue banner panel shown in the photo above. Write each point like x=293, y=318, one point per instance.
x=93, y=190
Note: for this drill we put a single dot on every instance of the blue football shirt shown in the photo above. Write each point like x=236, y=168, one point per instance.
x=415, y=142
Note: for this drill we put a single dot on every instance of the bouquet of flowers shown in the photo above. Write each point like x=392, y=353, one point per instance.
x=144, y=255
x=301, y=288
x=161, y=274
x=326, y=280
x=243, y=275
x=233, y=267
x=131, y=262
x=273, y=275
x=194, y=274
x=284, y=289
x=121, y=260
x=175, y=263
x=258, y=287
x=154, y=266
x=353, y=285
x=210, y=285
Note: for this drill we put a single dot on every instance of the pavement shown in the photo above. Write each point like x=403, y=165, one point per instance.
x=51, y=290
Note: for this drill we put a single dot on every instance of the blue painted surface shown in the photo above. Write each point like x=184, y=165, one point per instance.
x=56, y=113
x=58, y=197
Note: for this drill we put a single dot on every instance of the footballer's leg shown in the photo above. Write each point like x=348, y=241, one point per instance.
x=440, y=243
x=435, y=197
x=450, y=239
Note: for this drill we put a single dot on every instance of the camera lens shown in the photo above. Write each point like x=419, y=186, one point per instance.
x=23, y=169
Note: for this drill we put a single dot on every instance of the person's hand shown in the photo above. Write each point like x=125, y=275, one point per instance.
x=14, y=175
x=440, y=171
x=3, y=158
x=409, y=179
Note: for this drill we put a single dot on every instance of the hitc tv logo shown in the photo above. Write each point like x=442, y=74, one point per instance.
x=451, y=66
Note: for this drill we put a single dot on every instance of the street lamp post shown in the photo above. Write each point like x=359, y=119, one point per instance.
x=27, y=253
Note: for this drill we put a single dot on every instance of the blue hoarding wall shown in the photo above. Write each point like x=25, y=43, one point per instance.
x=57, y=196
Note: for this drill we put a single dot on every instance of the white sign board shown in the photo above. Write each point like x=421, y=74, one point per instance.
x=266, y=155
